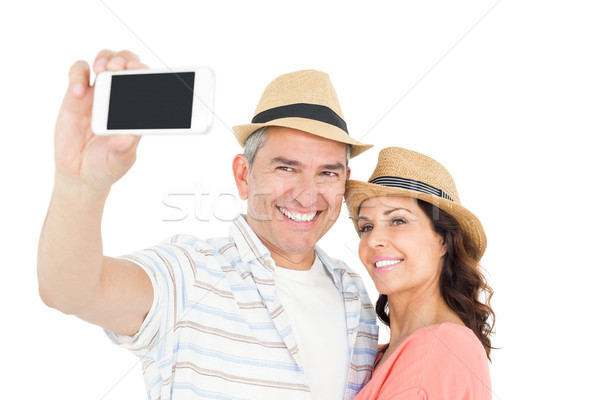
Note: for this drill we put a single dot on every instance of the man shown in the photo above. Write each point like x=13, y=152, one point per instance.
x=261, y=314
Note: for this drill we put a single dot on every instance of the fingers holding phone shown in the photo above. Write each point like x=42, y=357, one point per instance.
x=108, y=60
x=80, y=155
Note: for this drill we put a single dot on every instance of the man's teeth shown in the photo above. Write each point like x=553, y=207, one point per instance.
x=298, y=217
x=385, y=263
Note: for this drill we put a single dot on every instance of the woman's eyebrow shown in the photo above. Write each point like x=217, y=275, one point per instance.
x=391, y=210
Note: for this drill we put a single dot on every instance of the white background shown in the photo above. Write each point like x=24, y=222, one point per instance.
x=504, y=93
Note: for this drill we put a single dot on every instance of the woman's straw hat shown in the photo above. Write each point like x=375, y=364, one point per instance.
x=402, y=172
x=303, y=100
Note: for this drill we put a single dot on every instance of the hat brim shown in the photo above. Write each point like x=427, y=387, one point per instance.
x=357, y=192
x=318, y=128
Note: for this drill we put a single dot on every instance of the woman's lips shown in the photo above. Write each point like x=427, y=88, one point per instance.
x=384, y=264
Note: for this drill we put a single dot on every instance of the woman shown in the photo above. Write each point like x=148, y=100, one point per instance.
x=422, y=250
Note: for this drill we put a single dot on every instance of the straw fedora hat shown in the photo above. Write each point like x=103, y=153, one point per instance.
x=402, y=172
x=303, y=100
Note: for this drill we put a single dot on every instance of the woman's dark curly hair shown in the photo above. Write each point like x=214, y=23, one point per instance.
x=462, y=285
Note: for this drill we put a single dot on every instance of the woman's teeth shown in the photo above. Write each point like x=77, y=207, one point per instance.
x=385, y=263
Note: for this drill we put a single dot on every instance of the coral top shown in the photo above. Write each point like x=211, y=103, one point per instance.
x=444, y=361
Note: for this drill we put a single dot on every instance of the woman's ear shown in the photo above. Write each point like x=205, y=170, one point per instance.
x=443, y=247
x=241, y=173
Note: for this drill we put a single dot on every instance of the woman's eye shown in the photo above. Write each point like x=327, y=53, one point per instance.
x=398, y=221
x=365, y=228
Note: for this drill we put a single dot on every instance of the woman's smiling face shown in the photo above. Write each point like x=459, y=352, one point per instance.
x=398, y=246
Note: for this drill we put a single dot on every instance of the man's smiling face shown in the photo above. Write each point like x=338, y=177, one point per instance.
x=294, y=190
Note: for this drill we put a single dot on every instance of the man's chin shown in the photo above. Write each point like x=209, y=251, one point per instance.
x=293, y=244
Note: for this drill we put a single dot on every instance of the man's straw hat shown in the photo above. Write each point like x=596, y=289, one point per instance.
x=303, y=100
x=401, y=172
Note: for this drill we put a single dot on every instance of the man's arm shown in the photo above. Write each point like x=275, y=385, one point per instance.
x=74, y=276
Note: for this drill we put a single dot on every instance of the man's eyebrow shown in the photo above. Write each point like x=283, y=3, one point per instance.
x=334, y=167
x=286, y=161
x=294, y=163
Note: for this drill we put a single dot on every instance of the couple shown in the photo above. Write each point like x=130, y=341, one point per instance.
x=264, y=313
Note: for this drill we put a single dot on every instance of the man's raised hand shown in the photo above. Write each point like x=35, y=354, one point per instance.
x=83, y=159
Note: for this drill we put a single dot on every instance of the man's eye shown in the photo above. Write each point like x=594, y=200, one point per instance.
x=285, y=169
x=330, y=173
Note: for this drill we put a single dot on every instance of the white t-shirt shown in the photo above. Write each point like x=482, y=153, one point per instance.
x=316, y=311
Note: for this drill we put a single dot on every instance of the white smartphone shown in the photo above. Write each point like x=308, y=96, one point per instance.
x=153, y=101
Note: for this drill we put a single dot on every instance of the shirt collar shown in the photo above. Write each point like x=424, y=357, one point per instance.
x=248, y=244
x=251, y=248
x=332, y=267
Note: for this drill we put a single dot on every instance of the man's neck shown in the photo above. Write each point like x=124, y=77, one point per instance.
x=297, y=260
x=300, y=262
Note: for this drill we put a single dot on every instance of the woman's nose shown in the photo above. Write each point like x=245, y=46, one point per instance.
x=377, y=237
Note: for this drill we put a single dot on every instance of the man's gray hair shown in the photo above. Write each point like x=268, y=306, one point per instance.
x=254, y=142
x=257, y=139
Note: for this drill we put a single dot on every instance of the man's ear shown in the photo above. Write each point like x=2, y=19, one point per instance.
x=347, y=173
x=241, y=174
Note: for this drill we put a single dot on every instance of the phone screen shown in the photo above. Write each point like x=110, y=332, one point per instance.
x=151, y=101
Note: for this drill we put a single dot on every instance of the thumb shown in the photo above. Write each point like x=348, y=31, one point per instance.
x=122, y=143
x=122, y=153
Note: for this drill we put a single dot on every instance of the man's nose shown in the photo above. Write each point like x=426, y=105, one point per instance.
x=307, y=191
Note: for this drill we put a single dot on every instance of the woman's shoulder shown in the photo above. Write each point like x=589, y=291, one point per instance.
x=448, y=332
x=456, y=361
x=444, y=361
x=449, y=341
x=437, y=349
x=456, y=334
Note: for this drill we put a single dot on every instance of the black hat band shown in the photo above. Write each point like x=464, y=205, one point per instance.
x=410, y=184
x=301, y=110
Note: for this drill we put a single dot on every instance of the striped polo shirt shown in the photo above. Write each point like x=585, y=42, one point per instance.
x=216, y=329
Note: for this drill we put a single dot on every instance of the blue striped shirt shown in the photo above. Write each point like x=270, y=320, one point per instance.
x=216, y=329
